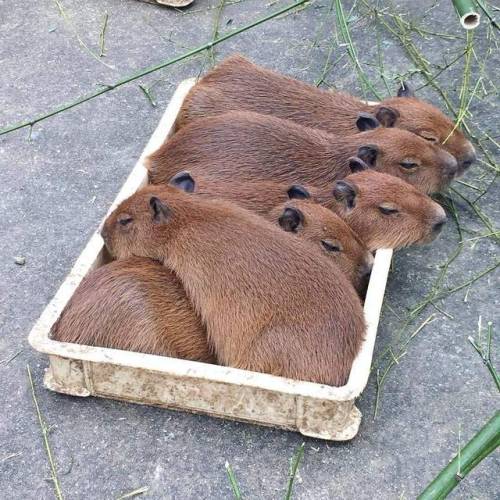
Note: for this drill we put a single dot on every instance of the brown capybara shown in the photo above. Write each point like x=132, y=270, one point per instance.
x=251, y=147
x=293, y=209
x=384, y=211
x=329, y=233
x=268, y=302
x=134, y=304
x=237, y=84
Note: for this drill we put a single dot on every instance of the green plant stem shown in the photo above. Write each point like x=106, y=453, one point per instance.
x=478, y=448
x=135, y=493
x=102, y=35
x=486, y=356
x=232, y=480
x=215, y=33
x=488, y=14
x=297, y=457
x=151, y=69
x=75, y=32
x=45, y=435
x=346, y=35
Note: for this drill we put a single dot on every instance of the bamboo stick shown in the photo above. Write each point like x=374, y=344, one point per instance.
x=467, y=12
x=479, y=447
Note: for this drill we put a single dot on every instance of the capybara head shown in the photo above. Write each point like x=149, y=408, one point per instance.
x=386, y=212
x=415, y=115
x=403, y=154
x=137, y=226
x=326, y=231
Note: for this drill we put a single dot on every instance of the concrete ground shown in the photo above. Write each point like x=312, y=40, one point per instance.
x=433, y=393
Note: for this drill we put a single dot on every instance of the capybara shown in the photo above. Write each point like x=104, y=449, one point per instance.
x=329, y=233
x=293, y=209
x=237, y=84
x=134, y=304
x=268, y=302
x=384, y=211
x=250, y=146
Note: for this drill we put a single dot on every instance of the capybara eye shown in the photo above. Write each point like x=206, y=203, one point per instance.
x=331, y=246
x=388, y=210
x=409, y=165
x=124, y=221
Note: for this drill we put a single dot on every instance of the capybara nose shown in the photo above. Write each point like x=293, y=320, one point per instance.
x=366, y=269
x=437, y=226
x=450, y=167
x=364, y=277
x=467, y=160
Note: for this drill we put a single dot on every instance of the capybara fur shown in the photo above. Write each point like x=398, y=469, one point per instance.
x=252, y=147
x=293, y=209
x=268, y=302
x=134, y=304
x=328, y=233
x=384, y=211
x=237, y=84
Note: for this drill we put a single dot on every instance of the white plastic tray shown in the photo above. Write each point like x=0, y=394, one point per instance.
x=312, y=409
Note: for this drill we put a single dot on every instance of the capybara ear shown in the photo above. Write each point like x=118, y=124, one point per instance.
x=368, y=154
x=406, y=90
x=357, y=164
x=345, y=192
x=159, y=210
x=387, y=116
x=298, y=192
x=184, y=181
x=291, y=219
x=366, y=121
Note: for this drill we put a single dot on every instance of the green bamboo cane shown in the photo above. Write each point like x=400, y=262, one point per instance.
x=478, y=448
x=150, y=69
x=467, y=12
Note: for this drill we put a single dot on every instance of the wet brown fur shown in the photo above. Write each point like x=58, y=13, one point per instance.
x=250, y=147
x=237, y=84
x=134, y=304
x=269, y=303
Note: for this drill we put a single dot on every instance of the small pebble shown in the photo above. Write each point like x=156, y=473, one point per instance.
x=20, y=261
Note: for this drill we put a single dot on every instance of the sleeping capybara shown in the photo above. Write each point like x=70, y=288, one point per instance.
x=384, y=211
x=291, y=208
x=330, y=234
x=268, y=302
x=134, y=304
x=237, y=84
x=251, y=147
